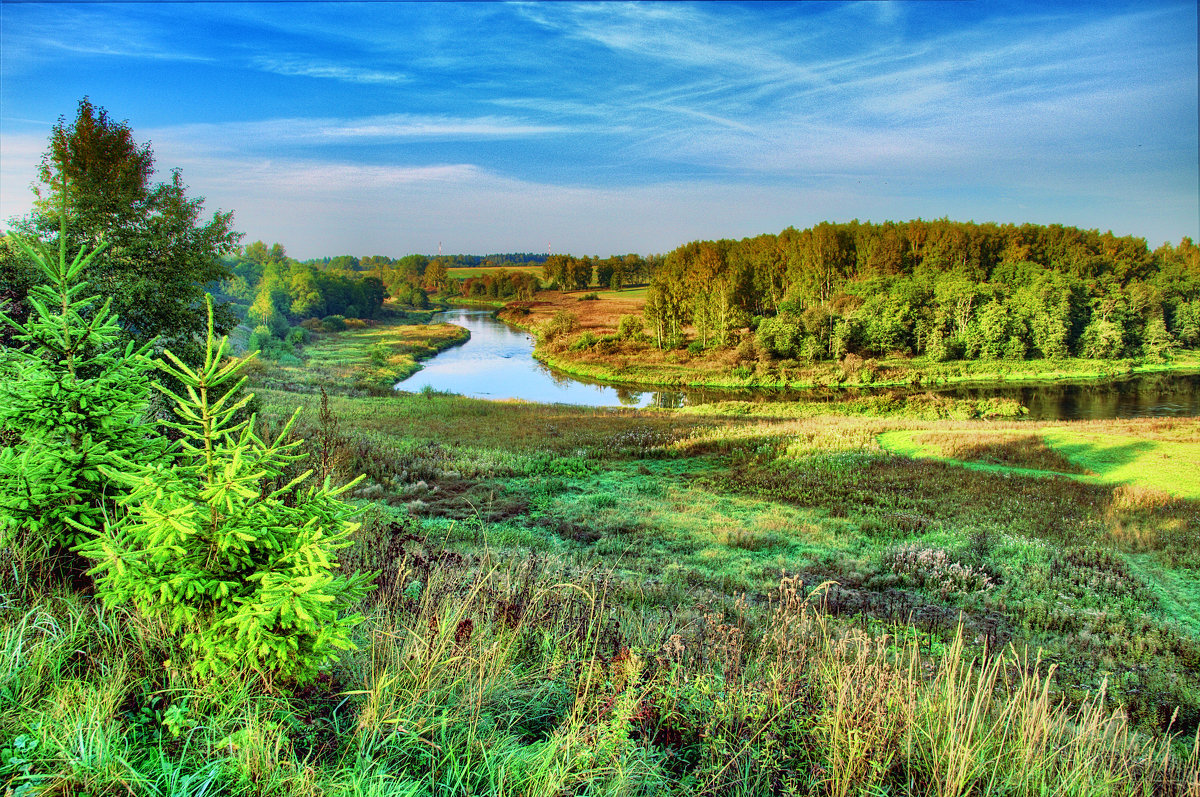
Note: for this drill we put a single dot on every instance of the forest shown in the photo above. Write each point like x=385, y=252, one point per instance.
x=940, y=289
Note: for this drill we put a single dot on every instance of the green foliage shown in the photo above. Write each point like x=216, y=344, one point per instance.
x=224, y=547
x=585, y=341
x=160, y=251
x=995, y=291
x=781, y=336
x=560, y=324
x=298, y=336
x=630, y=327
x=265, y=310
x=260, y=338
x=75, y=404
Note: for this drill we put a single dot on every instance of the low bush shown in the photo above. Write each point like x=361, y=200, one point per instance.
x=225, y=545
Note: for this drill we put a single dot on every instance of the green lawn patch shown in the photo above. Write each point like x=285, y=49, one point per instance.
x=1171, y=466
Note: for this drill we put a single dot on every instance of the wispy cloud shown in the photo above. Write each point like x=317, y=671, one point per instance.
x=307, y=67
x=271, y=134
x=34, y=35
x=876, y=108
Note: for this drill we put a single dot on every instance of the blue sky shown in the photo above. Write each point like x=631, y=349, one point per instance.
x=607, y=128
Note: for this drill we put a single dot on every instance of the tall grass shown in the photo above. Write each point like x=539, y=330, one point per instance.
x=502, y=678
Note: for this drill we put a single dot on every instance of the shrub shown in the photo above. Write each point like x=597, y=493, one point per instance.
x=590, y=297
x=223, y=548
x=934, y=569
x=298, y=336
x=561, y=323
x=261, y=339
x=334, y=323
x=379, y=354
x=76, y=404
x=585, y=341
x=630, y=327
x=746, y=350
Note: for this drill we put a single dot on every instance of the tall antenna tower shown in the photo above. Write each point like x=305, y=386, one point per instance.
x=439, y=248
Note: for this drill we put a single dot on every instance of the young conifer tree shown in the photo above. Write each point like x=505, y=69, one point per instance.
x=244, y=571
x=73, y=404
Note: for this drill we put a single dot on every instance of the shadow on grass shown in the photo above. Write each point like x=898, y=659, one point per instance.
x=1101, y=459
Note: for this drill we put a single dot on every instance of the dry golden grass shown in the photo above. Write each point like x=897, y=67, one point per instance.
x=1013, y=450
x=599, y=315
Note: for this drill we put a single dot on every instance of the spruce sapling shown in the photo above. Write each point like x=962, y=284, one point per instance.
x=76, y=403
x=246, y=573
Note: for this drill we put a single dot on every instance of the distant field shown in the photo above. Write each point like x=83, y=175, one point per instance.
x=599, y=315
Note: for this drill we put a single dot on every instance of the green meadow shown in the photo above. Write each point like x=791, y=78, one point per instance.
x=924, y=597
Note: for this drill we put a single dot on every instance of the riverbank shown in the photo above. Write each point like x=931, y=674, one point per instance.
x=648, y=366
x=368, y=360
x=595, y=352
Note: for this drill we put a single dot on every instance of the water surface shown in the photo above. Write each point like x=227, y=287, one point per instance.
x=497, y=363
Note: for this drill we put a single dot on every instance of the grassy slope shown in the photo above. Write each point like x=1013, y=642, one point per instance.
x=576, y=600
x=1162, y=456
x=1169, y=465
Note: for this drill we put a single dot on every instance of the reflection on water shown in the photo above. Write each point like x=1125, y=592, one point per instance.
x=497, y=363
x=1150, y=395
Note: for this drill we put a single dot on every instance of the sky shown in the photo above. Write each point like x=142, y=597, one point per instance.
x=607, y=128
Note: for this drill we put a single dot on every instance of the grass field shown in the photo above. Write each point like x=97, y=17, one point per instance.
x=370, y=359
x=1101, y=452
x=737, y=599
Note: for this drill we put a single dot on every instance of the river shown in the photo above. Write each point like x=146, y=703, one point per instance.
x=497, y=363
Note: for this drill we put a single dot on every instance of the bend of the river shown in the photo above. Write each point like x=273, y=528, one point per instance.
x=497, y=363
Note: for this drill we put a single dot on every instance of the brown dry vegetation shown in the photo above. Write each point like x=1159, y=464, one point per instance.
x=598, y=315
x=1014, y=450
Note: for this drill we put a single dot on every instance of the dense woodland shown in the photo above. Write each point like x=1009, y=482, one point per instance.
x=948, y=290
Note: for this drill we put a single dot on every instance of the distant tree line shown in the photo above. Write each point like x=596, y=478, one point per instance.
x=274, y=289
x=500, y=284
x=450, y=261
x=943, y=289
x=411, y=280
x=566, y=272
x=283, y=300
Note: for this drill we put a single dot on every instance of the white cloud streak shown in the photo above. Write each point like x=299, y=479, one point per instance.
x=305, y=66
x=274, y=133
